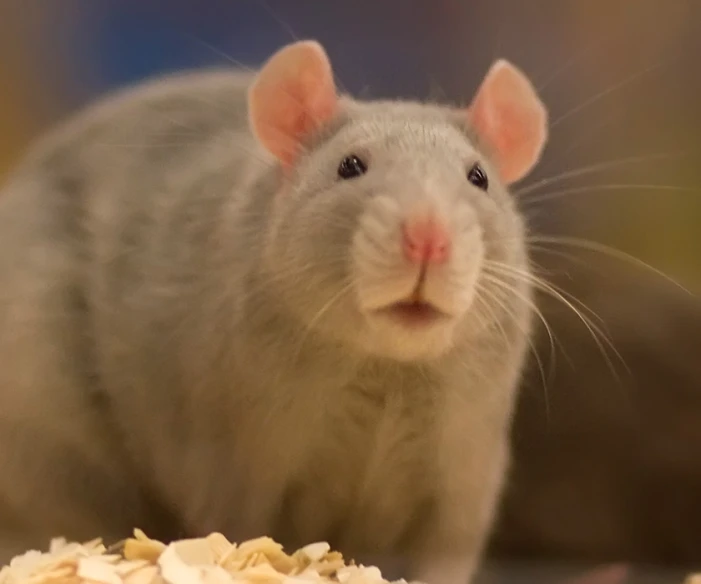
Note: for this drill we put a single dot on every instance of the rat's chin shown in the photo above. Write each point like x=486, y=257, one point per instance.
x=413, y=315
x=409, y=331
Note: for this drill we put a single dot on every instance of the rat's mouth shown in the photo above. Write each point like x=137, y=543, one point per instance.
x=414, y=313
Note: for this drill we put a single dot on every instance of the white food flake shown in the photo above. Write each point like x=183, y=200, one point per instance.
x=316, y=551
x=208, y=560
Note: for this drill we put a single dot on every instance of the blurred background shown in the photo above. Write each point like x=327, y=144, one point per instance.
x=607, y=438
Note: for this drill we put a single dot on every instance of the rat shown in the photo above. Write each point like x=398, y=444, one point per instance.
x=249, y=303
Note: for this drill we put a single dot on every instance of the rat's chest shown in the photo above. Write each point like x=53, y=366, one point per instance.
x=367, y=464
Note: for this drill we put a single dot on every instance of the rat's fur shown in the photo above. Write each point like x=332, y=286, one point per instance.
x=177, y=352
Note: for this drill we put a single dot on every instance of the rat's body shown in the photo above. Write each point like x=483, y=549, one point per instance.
x=174, y=356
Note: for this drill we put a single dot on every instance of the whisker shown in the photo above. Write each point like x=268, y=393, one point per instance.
x=609, y=251
x=570, y=257
x=541, y=284
x=578, y=56
x=596, y=332
x=276, y=17
x=590, y=132
x=592, y=169
x=481, y=289
x=553, y=195
x=485, y=304
x=604, y=93
x=252, y=70
x=307, y=329
x=309, y=326
x=287, y=27
x=494, y=279
x=223, y=54
x=499, y=36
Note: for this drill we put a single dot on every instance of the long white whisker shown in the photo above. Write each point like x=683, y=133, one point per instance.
x=542, y=198
x=606, y=250
x=319, y=315
x=597, y=334
x=494, y=279
x=597, y=97
x=534, y=350
x=592, y=169
x=573, y=60
x=540, y=283
x=240, y=65
x=484, y=303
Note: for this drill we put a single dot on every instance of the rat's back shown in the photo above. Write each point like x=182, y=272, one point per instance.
x=124, y=153
x=79, y=220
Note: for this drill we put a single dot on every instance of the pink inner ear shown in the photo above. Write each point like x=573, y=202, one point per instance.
x=508, y=115
x=293, y=95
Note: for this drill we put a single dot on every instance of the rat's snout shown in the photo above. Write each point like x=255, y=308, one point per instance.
x=425, y=239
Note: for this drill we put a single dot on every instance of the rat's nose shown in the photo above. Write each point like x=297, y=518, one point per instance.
x=425, y=240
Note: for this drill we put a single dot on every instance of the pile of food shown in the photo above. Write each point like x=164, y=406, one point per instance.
x=209, y=560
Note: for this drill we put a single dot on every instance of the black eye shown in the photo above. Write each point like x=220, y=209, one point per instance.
x=351, y=167
x=478, y=177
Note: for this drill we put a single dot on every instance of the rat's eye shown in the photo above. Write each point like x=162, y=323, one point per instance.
x=478, y=177
x=351, y=166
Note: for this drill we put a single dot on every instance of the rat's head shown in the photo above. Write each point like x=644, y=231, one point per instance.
x=394, y=230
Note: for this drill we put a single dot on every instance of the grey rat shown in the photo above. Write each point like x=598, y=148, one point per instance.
x=246, y=303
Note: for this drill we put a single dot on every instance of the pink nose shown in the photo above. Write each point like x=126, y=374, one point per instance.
x=425, y=240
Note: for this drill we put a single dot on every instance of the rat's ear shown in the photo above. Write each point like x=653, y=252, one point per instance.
x=293, y=94
x=509, y=117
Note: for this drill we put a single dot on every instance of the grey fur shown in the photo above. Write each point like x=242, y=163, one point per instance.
x=165, y=361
